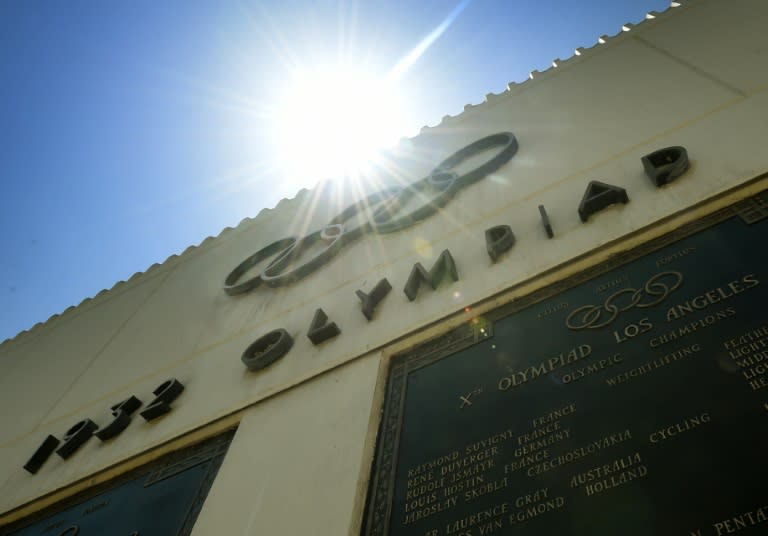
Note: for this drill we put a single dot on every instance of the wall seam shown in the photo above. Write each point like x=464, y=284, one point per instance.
x=103, y=347
x=699, y=71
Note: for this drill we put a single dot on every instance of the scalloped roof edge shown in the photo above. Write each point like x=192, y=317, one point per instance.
x=491, y=98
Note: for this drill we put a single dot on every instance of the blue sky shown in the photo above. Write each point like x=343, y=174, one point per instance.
x=131, y=130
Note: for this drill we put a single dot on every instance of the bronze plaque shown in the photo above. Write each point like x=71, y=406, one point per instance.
x=629, y=400
x=160, y=499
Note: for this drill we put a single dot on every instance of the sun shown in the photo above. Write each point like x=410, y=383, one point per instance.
x=334, y=123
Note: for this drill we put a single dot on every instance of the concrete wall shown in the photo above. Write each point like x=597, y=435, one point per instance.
x=692, y=76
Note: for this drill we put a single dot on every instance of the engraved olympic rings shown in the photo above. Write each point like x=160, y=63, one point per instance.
x=655, y=290
x=382, y=213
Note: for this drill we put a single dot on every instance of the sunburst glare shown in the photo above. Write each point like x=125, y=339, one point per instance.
x=334, y=122
x=336, y=119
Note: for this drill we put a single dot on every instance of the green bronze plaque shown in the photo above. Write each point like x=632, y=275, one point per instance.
x=160, y=499
x=631, y=399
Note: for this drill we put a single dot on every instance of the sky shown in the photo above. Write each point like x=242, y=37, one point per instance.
x=132, y=130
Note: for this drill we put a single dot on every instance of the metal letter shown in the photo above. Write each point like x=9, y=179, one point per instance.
x=498, y=240
x=320, y=330
x=267, y=349
x=545, y=221
x=370, y=301
x=444, y=264
x=42, y=453
x=167, y=392
x=665, y=165
x=122, y=413
x=76, y=437
x=598, y=196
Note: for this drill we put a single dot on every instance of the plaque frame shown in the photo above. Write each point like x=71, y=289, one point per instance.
x=212, y=449
x=379, y=498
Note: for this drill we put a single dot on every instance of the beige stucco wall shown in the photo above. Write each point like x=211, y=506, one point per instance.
x=294, y=466
x=693, y=76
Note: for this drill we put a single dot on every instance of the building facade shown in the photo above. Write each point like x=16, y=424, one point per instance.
x=319, y=364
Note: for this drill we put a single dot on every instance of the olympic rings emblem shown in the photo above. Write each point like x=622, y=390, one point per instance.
x=655, y=291
x=381, y=212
